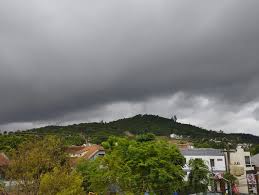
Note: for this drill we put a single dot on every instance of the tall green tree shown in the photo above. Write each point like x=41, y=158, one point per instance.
x=33, y=159
x=135, y=167
x=61, y=181
x=198, y=179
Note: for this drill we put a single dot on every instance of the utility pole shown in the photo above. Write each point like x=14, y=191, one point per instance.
x=228, y=165
x=213, y=181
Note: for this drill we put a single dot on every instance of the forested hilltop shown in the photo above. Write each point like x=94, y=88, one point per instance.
x=160, y=126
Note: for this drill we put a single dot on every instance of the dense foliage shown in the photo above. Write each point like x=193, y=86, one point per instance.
x=33, y=159
x=146, y=123
x=135, y=167
x=9, y=142
x=255, y=149
x=61, y=181
x=198, y=179
x=78, y=134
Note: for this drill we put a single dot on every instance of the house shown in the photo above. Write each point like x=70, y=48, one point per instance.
x=4, y=162
x=175, y=136
x=86, y=152
x=240, y=165
x=214, y=159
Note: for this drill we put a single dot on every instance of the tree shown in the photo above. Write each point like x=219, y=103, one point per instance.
x=255, y=149
x=145, y=137
x=198, y=179
x=32, y=160
x=135, y=167
x=61, y=181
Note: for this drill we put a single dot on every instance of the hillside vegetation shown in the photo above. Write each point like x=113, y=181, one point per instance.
x=160, y=126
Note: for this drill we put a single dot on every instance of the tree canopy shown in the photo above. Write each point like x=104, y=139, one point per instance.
x=95, y=132
x=135, y=167
x=255, y=149
x=33, y=159
x=61, y=181
x=198, y=179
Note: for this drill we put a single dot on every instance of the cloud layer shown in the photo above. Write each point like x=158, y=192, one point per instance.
x=64, y=59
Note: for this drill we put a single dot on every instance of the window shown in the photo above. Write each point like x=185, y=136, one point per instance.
x=219, y=159
x=247, y=160
x=212, y=162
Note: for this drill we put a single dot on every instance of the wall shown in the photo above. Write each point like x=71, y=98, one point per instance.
x=237, y=158
x=220, y=164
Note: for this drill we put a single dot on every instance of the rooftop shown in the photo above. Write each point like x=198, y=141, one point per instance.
x=86, y=152
x=202, y=152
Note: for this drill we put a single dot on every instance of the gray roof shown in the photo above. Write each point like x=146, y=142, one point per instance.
x=255, y=160
x=202, y=152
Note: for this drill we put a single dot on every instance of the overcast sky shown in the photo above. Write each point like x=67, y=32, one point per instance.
x=64, y=62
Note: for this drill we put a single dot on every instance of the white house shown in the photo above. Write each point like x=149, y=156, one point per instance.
x=213, y=158
x=175, y=136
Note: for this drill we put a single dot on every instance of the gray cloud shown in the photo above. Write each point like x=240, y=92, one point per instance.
x=59, y=59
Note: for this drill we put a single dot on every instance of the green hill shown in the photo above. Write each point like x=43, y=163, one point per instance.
x=97, y=132
x=78, y=134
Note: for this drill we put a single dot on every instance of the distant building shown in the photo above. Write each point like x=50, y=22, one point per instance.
x=213, y=158
x=86, y=152
x=175, y=136
x=240, y=165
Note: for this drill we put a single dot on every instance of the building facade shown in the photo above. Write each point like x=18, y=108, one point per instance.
x=240, y=165
x=214, y=159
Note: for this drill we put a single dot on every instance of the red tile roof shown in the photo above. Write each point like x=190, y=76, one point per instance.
x=87, y=151
x=92, y=150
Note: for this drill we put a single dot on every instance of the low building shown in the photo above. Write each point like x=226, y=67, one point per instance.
x=86, y=152
x=214, y=159
x=175, y=136
x=240, y=165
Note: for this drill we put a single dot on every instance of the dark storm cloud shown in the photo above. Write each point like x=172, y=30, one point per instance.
x=59, y=57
